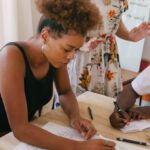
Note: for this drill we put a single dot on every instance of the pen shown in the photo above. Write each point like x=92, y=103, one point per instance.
x=90, y=113
x=132, y=141
x=118, y=109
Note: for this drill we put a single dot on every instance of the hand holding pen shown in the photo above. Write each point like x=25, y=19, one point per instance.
x=84, y=126
x=119, y=118
x=119, y=110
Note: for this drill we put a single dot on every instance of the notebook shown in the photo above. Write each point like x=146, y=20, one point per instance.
x=73, y=134
x=136, y=126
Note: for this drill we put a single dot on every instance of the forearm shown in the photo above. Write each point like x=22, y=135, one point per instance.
x=36, y=136
x=123, y=32
x=69, y=104
x=127, y=97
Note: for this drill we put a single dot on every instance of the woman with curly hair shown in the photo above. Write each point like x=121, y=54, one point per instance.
x=28, y=69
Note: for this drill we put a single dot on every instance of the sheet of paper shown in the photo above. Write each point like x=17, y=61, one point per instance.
x=135, y=126
x=73, y=134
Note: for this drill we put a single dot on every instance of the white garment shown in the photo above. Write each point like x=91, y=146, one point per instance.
x=141, y=84
x=96, y=67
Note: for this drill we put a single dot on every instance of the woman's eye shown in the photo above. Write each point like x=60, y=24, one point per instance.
x=67, y=50
x=70, y=50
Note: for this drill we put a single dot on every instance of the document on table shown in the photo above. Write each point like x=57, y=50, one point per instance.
x=73, y=134
x=135, y=126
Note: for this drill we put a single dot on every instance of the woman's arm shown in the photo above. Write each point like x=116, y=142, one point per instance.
x=127, y=97
x=134, y=35
x=69, y=104
x=12, y=71
x=67, y=98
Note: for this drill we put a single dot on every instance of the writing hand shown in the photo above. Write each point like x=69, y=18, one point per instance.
x=119, y=121
x=84, y=126
x=98, y=144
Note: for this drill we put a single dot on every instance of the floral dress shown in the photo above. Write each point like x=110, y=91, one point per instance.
x=96, y=66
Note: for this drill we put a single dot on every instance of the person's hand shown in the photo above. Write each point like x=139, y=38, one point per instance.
x=119, y=121
x=84, y=127
x=138, y=113
x=97, y=144
x=140, y=32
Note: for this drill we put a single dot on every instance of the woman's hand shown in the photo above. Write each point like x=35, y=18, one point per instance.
x=119, y=121
x=84, y=126
x=140, y=32
x=97, y=144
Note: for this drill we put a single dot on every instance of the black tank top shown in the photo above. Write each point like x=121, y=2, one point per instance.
x=38, y=92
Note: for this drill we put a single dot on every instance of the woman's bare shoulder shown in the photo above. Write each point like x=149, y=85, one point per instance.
x=11, y=60
x=10, y=54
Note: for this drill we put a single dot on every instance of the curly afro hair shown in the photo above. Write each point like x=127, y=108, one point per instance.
x=80, y=16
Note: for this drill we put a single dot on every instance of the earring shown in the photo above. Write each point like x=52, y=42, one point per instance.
x=43, y=45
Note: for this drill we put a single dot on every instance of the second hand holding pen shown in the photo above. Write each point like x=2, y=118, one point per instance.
x=118, y=110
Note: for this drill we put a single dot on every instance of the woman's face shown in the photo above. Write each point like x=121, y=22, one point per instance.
x=59, y=51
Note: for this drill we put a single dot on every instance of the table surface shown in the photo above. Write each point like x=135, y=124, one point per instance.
x=101, y=106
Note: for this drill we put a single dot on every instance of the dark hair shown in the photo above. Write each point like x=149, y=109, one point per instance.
x=64, y=15
x=51, y=24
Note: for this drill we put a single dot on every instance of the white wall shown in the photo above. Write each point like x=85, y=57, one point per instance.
x=28, y=20
x=146, y=50
x=18, y=20
x=131, y=52
x=35, y=16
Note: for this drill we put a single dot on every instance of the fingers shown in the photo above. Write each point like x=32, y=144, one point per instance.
x=85, y=128
x=76, y=124
x=140, y=32
x=145, y=27
x=136, y=115
x=118, y=121
x=120, y=124
x=88, y=129
x=90, y=133
x=108, y=143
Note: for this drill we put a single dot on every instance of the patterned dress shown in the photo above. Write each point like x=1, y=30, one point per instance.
x=96, y=66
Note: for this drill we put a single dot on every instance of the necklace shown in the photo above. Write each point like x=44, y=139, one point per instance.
x=107, y=2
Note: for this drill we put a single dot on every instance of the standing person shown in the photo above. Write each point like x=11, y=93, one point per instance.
x=96, y=67
x=126, y=99
x=28, y=69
